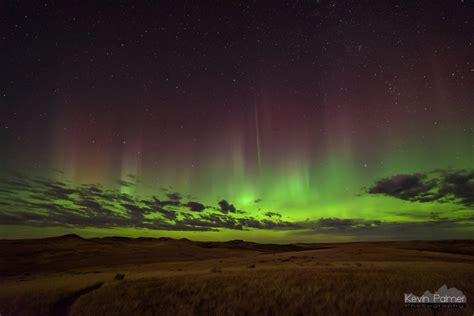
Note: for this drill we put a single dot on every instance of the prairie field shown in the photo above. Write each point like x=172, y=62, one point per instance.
x=118, y=276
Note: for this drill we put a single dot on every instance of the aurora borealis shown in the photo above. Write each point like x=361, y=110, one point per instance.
x=283, y=121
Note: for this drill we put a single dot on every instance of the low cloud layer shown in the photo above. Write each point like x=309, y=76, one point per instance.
x=440, y=186
x=360, y=229
x=38, y=201
x=42, y=202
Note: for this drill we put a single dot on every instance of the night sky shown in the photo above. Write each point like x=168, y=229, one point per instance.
x=260, y=120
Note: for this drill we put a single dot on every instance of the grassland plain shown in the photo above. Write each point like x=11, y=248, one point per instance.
x=118, y=276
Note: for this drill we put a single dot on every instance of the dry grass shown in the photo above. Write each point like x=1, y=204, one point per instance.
x=351, y=279
x=373, y=290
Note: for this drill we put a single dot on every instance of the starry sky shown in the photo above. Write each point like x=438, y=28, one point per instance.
x=279, y=121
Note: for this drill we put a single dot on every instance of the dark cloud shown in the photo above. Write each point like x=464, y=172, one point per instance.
x=135, y=211
x=279, y=225
x=404, y=186
x=273, y=214
x=460, y=185
x=156, y=203
x=360, y=230
x=125, y=183
x=421, y=216
x=38, y=201
x=196, y=206
x=440, y=186
x=174, y=196
x=338, y=224
x=168, y=214
x=213, y=220
x=90, y=204
x=226, y=207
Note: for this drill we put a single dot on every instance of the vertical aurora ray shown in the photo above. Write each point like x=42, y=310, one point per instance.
x=257, y=135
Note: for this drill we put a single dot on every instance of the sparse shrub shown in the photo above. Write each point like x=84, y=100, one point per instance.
x=216, y=269
x=252, y=266
x=119, y=276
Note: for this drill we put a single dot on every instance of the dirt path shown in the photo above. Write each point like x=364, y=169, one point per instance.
x=62, y=307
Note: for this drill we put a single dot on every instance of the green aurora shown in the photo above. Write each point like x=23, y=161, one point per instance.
x=288, y=124
x=325, y=201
